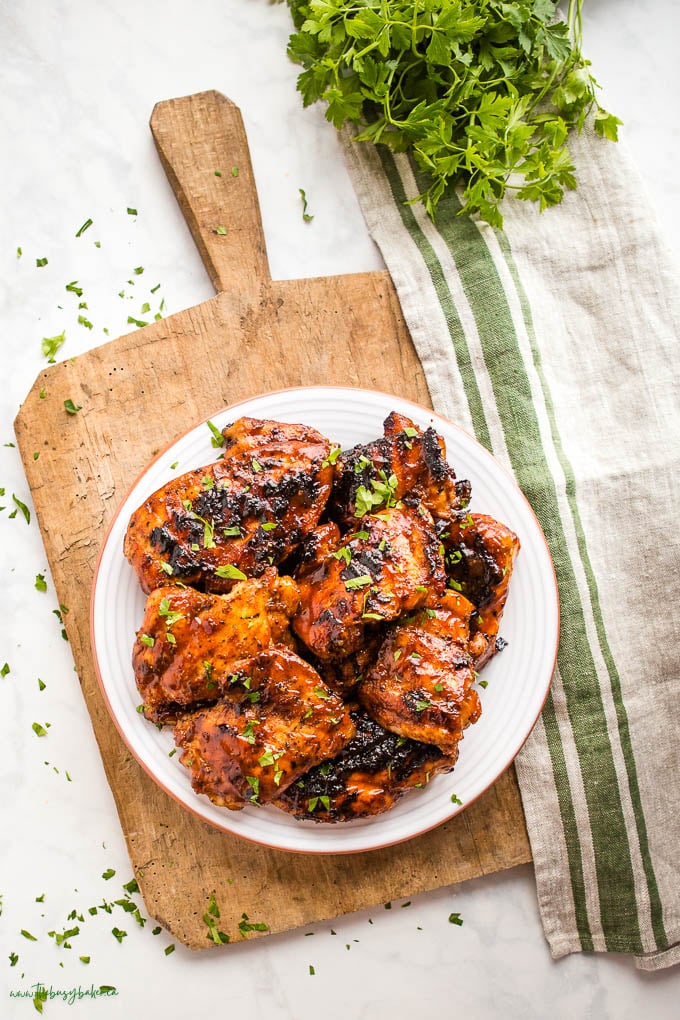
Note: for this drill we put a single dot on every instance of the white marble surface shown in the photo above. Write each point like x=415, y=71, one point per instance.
x=78, y=81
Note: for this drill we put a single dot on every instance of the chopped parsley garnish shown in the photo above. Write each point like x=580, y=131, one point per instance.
x=40, y=263
x=305, y=215
x=70, y=407
x=455, y=799
x=131, y=212
x=171, y=617
x=383, y=492
x=358, y=582
x=234, y=171
x=230, y=572
x=39, y=729
x=249, y=734
x=324, y=800
x=455, y=919
x=5, y=670
x=332, y=457
x=344, y=553
x=217, y=437
x=221, y=230
x=51, y=344
x=40, y=582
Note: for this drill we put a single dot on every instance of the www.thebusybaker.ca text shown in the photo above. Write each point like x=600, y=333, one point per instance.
x=69, y=995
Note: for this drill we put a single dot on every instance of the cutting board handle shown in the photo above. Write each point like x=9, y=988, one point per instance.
x=202, y=145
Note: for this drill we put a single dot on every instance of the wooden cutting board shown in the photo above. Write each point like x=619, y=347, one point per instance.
x=137, y=394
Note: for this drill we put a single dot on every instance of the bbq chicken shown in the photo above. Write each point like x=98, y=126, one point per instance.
x=406, y=463
x=277, y=720
x=316, y=619
x=237, y=516
x=479, y=553
x=188, y=642
x=368, y=776
x=384, y=568
x=421, y=684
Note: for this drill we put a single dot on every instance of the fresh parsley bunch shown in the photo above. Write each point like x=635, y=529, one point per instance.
x=483, y=93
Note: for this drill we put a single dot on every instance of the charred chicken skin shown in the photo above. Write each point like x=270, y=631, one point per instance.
x=421, y=684
x=480, y=554
x=188, y=642
x=367, y=777
x=278, y=720
x=383, y=569
x=406, y=463
x=237, y=516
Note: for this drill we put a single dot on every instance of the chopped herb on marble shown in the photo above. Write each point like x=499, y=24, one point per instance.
x=40, y=582
x=455, y=919
x=305, y=215
x=85, y=226
x=51, y=344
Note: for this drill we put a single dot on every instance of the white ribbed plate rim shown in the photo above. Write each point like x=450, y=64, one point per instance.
x=517, y=680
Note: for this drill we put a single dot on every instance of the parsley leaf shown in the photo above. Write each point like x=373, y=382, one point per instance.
x=482, y=94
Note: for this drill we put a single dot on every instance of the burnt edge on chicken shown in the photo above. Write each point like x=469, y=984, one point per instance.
x=374, y=770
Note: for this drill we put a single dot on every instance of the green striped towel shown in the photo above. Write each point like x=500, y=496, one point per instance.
x=554, y=342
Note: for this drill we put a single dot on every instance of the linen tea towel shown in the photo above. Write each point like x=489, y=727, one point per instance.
x=555, y=343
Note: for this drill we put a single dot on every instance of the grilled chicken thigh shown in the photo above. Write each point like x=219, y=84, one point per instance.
x=189, y=641
x=421, y=684
x=383, y=569
x=366, y=778
x=406, y=463
x=480, y=553
x=237, y=516
x=278, y=720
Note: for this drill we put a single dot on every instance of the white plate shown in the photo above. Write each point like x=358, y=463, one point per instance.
x=518, y=678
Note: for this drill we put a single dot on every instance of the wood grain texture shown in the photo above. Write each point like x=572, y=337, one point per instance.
x=137, y=394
